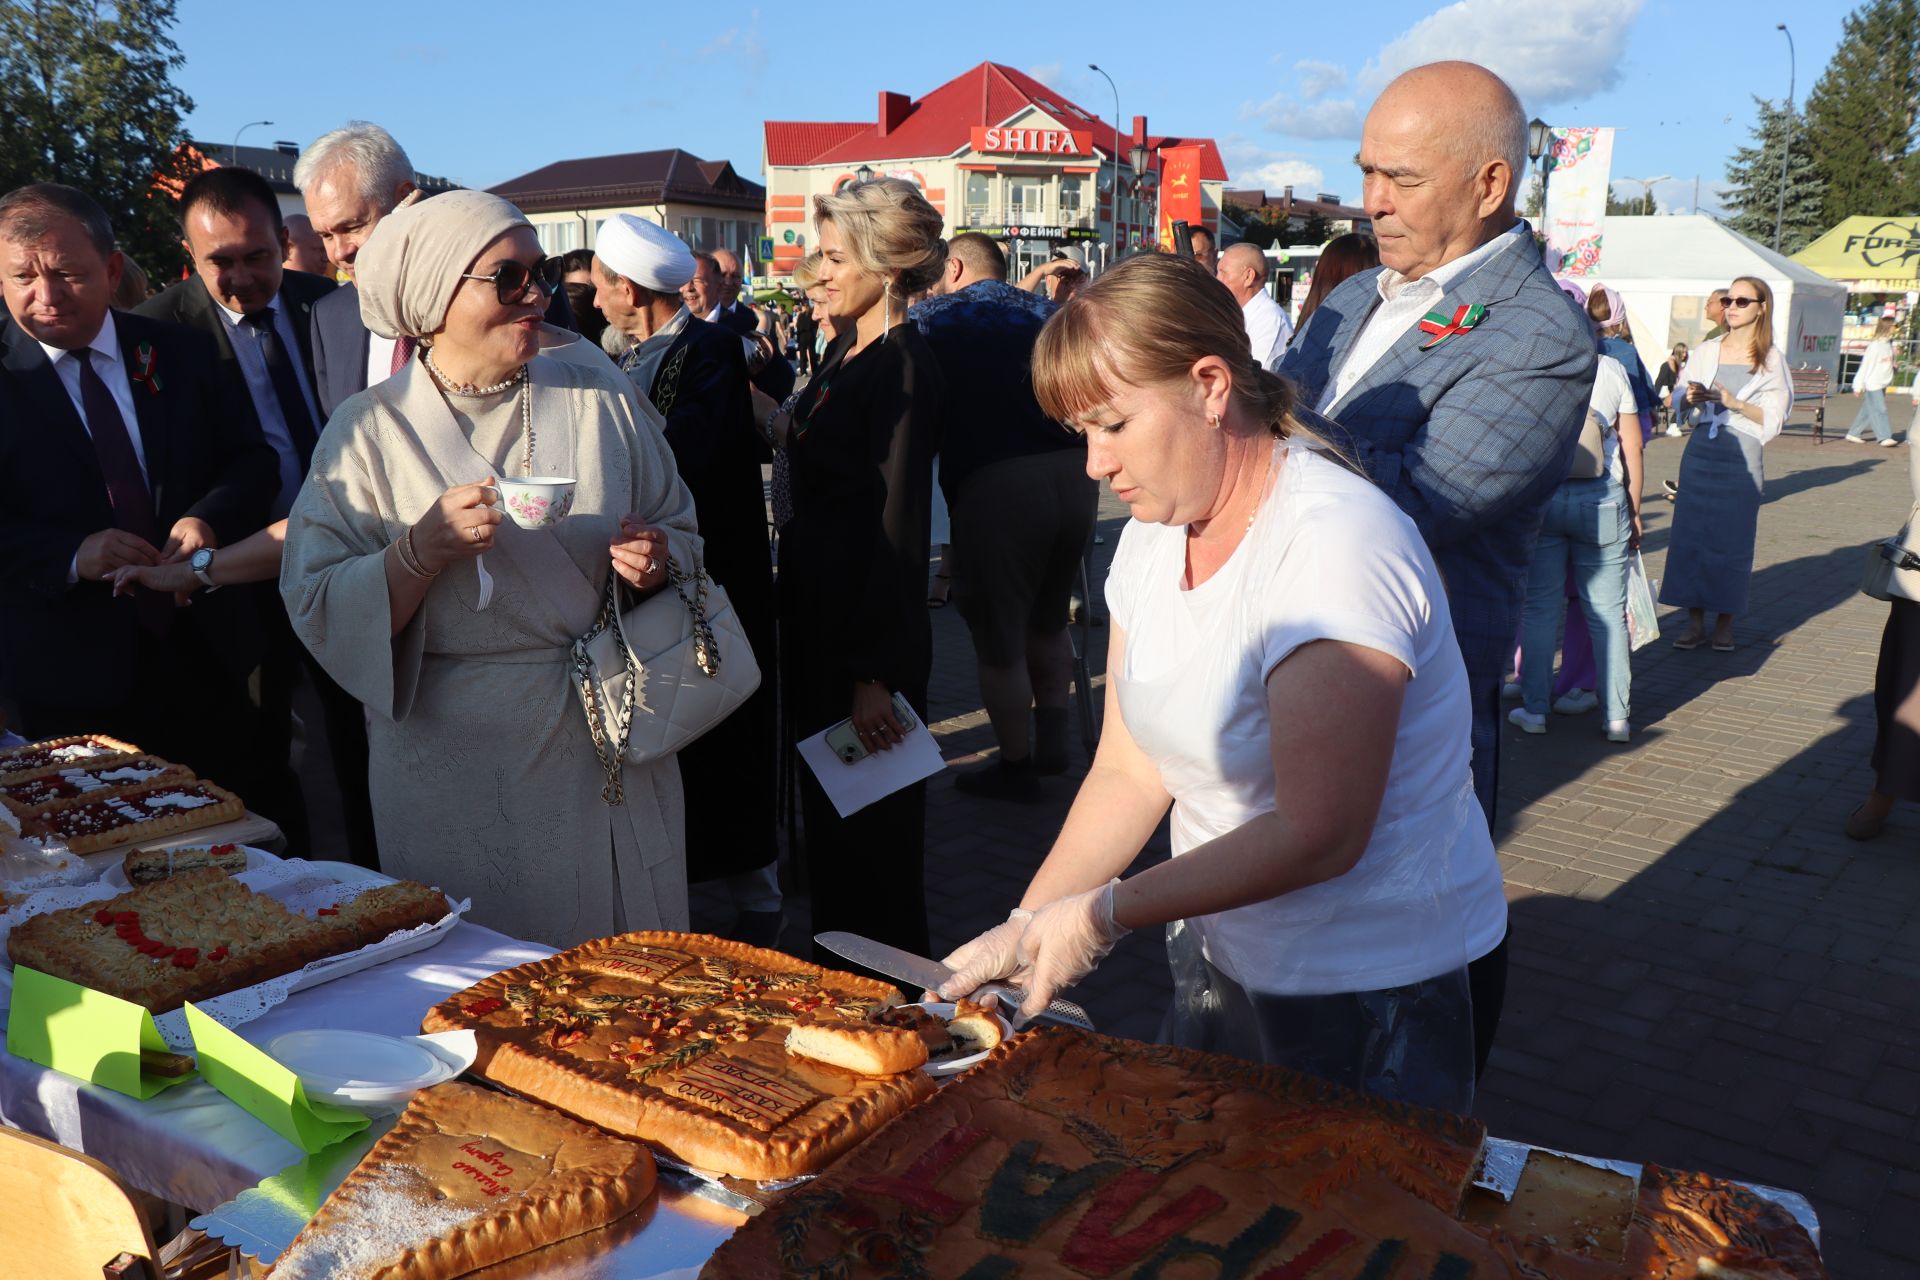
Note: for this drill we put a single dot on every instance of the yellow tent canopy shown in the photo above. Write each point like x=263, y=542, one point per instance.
x=1868, y=249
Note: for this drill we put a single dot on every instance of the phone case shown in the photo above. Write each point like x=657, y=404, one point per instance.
x=846, y=744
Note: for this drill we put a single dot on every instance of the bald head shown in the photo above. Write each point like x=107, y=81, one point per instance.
x=1440, y=157
x=1243, y=269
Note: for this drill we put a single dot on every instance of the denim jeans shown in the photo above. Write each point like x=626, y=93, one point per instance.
x=1587, y=525
x=1873, y=413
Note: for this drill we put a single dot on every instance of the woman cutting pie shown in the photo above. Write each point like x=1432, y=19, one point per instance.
x=1283, y=674
x=456, y=628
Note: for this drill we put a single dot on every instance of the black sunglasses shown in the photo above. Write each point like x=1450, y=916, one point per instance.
x=1732, y=301
x=511, y=279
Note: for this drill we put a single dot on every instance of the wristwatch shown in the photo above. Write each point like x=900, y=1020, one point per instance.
x=201, y=562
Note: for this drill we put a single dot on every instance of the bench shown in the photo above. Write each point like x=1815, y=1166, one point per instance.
x=1812, y=386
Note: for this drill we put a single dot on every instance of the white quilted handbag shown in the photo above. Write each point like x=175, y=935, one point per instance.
x=656, y=677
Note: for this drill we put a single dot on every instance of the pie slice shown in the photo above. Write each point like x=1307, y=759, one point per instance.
x=467, y=1178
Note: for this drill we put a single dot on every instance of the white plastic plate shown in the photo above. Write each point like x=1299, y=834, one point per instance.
x=116, y=875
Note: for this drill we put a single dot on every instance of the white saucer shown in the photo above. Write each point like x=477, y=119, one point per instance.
x=359, y=1068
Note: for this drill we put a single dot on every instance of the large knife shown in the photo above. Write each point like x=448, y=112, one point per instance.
x=922, y=974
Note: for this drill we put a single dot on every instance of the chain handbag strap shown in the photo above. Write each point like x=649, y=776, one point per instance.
x=706, y=650
x=610, y=732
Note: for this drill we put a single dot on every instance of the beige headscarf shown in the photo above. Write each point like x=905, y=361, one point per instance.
x=410, y=266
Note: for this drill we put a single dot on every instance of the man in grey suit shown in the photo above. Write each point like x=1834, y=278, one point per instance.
x=1458, y=368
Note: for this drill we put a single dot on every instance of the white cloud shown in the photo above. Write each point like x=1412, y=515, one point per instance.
x=1547, y=52
x=1287, y=113
x=745, y=43
x=1046, y=73
x=1317, y=79
x=1252, y=167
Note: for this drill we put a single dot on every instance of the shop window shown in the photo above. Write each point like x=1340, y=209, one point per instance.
x=1070, y=193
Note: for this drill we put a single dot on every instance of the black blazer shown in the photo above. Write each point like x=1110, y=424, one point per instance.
x=187, y=302
x=205, y=457
x=339, y=344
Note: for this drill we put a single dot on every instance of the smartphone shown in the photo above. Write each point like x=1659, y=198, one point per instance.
x=1182, y=238
x=845, y=742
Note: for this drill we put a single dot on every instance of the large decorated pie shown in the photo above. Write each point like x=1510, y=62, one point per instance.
x=681, y=1040
x=1066, y=1154
x=466, y=1178
x=156, y=811
x=96, y=783
x=201, y=933
x=35, y=759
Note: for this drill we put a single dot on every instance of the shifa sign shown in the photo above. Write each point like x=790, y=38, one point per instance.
x=1035, y=142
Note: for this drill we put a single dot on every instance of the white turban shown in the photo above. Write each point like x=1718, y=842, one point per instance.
x=410, y=267
x=649, y=255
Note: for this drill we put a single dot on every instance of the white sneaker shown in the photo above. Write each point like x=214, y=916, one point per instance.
x=1856, y=439
x=1618, y=731
x=1510, y=691
x=1527, y=721
x=1674, y=430
x=1576, y=702
x=1889, y=443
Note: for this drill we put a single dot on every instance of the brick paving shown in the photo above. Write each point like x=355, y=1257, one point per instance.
x=1706, y=972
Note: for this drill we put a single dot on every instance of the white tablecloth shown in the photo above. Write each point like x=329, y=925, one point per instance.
x=189, y=1144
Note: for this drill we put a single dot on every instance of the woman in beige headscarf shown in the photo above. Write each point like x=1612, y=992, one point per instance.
x=485, y=778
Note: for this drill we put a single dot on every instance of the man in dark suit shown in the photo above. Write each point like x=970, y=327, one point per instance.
x=713, y=294
x=122, y=442
x=259, y=315
x=695, y=374
x=351, y=178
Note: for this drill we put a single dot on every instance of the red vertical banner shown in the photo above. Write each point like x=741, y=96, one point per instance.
x=1179, y=190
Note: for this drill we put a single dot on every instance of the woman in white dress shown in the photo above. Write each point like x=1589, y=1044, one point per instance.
x=1283, y=674
x=455, y=627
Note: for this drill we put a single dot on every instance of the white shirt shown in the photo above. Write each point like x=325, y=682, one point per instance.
x=1876, y=367
x=1402, y=303
x=379, y=359
x=1268, y=328
x=1329, y=557
x=113, y=371
x=1612, y=401
x=266, y=400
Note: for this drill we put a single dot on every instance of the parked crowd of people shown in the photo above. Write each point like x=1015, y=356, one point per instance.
x=1340, y=535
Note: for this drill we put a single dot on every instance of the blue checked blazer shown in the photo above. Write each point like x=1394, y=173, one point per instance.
x=1470, y=438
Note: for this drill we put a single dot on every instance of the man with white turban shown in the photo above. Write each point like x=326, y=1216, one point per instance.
x=695, y=374
x=454, y=626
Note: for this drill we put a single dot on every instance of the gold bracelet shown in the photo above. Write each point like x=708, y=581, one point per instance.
x=409, y=558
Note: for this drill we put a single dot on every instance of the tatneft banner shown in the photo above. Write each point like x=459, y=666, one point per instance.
x=1179, y=191
x=1579, y=167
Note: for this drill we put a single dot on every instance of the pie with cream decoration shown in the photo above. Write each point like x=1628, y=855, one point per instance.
x=466, y=1178
x=1068, y=1154
x=681, y=1040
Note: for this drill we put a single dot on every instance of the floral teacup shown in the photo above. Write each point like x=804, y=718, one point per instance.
x=537, y=502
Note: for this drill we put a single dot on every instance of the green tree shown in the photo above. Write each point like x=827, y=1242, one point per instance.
x=1753, y=180
x=1642, y=205
x=1861, y=114
x=88, y=99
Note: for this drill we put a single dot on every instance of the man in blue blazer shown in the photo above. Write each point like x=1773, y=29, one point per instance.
x=1458, y=368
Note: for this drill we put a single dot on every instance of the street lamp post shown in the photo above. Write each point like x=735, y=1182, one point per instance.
x=234, y=156
x=1114, y=196
x=1539, y=147
x=1647, y=185
x=1786, y=141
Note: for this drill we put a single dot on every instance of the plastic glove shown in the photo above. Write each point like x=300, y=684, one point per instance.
x=994, y=954
x=1063, y=943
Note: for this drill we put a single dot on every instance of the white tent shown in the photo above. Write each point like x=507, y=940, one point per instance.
x=1664, y=268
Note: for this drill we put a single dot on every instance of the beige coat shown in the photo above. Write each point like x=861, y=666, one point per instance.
x=485, y=781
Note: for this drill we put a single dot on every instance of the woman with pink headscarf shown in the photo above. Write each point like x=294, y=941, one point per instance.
x=1609, y=315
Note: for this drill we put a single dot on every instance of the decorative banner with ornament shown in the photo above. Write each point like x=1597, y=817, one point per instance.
x=1179, y=191
x=1579, y=168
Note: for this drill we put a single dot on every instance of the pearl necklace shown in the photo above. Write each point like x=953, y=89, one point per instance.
x=518, y=377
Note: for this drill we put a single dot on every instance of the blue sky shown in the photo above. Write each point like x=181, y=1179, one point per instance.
x=482, y=91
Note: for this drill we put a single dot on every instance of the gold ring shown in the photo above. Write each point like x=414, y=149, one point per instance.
x=475, y=531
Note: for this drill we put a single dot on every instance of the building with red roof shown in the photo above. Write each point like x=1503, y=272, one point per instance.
x=995, y=151
x=704, y=202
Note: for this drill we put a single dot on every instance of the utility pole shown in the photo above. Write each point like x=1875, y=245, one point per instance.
x=1786, y=141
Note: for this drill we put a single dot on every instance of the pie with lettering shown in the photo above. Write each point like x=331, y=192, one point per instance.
x=153, y=812
x=679, y=1039
x=466, y=1178
x=36, y=759
x=1079, y=1155
x=201, y=933
x=96, y=782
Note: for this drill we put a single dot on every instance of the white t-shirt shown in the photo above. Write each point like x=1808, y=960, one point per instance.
x=1329, y=557
x=1612, y=400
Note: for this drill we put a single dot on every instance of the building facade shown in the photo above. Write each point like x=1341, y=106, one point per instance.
x=995, y=151
x=704, y=202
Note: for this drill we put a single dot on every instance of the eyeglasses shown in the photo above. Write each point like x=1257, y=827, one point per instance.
x=511, y=280
x=1732, y=301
